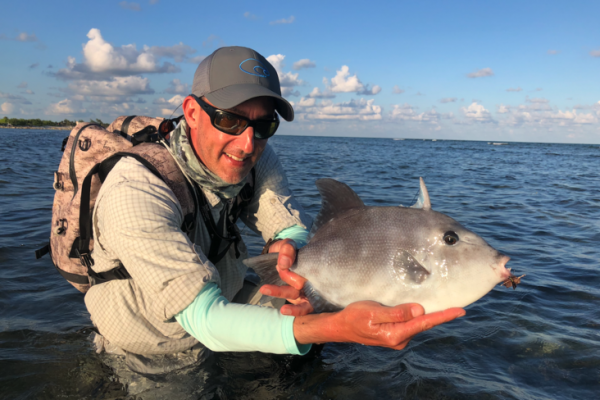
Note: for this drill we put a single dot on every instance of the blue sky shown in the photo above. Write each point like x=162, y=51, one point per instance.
x=477, y=70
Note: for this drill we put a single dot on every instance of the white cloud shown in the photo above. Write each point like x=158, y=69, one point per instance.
x=477, y=112
x=22, y=85
x=153, y=1
x=283, y=21
x=287, y=80
x=176, y=87
x=396, y=90
x=537, y=100
x=250, y=16
x=342, y=82
x=28, y=91
x=514, y=89
x=595, y=53
x=362, y=110
x=304, y=63
x=63, y=107
x=448, y=100
x=317, y=94
x=102, y=60
x=7, y=107
x=118, y=86
x=130, y=6
x=481, y=73
x=553, y=52
x=406, y=112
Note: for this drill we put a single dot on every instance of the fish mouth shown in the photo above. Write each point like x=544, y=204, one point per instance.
x=501, y=270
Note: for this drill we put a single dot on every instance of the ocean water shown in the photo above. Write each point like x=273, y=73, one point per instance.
x=537, y=203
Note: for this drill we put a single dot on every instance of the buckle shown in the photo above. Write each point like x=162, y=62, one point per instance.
x=85, y=259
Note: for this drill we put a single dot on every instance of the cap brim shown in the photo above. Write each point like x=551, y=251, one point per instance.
x=234, y=95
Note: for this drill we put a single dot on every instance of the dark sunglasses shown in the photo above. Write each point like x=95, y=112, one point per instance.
x=233, y=124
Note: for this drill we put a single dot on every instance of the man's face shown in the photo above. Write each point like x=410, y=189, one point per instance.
x=230, y=157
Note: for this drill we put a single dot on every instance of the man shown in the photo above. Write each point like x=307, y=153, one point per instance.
x=179, y=302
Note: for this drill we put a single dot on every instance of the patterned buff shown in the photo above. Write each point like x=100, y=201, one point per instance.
x=195, y=169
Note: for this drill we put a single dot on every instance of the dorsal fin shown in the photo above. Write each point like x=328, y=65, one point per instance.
x=336, y=199
x=423, y=199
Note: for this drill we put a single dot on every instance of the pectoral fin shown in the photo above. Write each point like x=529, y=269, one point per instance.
x=408, y=268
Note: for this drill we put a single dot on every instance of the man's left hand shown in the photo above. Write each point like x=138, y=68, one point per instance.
x=292, y=293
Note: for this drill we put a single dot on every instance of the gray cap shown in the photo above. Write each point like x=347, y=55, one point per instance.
x=232, y=75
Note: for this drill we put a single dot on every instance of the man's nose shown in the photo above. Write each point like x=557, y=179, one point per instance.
x=247, y=138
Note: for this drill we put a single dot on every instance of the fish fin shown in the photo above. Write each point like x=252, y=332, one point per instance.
x=407, y=267
x=265, y=267
x=336, y=199
x=317, y=301
x=423, y=200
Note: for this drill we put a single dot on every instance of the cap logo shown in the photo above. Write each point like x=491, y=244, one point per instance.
x=252, y=66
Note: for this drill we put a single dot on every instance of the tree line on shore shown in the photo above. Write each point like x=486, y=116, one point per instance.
x=40, y=122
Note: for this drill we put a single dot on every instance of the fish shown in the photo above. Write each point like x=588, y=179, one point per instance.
x=392, y=255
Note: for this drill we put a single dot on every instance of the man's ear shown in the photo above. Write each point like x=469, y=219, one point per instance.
x=191, y=111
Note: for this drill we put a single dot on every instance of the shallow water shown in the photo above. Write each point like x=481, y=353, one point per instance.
x=538, y=203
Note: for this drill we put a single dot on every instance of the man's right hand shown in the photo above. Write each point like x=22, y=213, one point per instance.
x=370, y=323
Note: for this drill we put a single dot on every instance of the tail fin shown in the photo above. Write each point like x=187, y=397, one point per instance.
x=265, y=266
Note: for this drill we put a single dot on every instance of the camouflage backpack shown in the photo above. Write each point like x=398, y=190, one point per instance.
x=89, y=154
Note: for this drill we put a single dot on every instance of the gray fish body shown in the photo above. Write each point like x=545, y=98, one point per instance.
x=392, y=255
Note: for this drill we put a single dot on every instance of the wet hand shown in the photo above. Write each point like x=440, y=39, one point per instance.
x=371, y=324
x=292, y=293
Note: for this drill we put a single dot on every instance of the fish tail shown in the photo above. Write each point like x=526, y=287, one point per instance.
x=265, y=266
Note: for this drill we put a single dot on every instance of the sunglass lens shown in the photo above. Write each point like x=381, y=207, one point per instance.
x=265, y=129
x=229, y=123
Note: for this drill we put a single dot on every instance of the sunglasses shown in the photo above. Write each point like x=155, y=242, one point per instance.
x=233, y=124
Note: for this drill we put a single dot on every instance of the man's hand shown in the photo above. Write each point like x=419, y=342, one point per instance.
x=370, y=323
x=292, y=293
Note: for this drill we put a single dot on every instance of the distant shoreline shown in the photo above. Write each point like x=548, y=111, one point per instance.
x=54, y=128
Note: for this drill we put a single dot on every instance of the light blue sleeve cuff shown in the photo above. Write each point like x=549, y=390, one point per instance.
x=224, y=326
x=297, y=233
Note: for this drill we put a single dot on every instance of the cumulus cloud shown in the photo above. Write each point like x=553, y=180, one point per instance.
x=553, y=52
x=481, y=73
x=283, y=21
x=541, y=114
x=304, y=63
x=22, y=85
x=102, y=60
x=396, y=90
x=326, y=110
x=407, y=112
x=153, y=1
x=250, y=16
x=477, y=112
x=317, y=94
x=595, y=53
x=287, y=80
x=518, y=89
x=343, y=82
x=130, y=6
x=169, y=105
x=118, y=86
x=34, y=65
x=64, y=107
x=448, y=100
x=176, y=87
x=7, y=108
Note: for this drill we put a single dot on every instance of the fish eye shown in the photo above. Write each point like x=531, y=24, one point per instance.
x=450, y=238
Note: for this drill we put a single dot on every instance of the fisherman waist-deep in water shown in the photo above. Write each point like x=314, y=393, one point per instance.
x=176, y=299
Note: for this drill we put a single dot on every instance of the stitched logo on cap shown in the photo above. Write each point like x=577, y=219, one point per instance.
x=252, y=66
